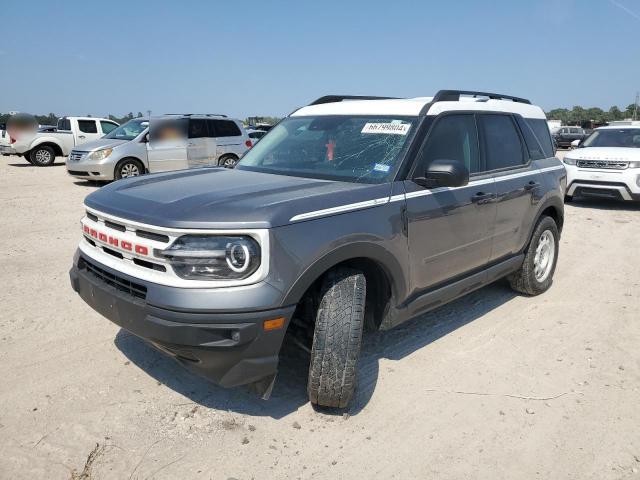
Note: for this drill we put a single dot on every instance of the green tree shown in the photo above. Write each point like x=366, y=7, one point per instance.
x=615, y=114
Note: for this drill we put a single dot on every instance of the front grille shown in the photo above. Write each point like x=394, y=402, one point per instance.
x=602, y=164
x=153, y=236
x=131, y=288
x=79, y=174
x=115, y=226
x=75, y=156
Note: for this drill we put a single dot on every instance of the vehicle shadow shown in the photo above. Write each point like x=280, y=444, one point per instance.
x=89, y=183
x=604, y=204
x=27, y=164
x=289, y=392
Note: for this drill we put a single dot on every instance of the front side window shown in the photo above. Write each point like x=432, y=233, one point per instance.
x=87, y=126
x=129, y=130
x=503, y=147
x=453, y=137
x=108, y=127
x=361, y=149
x=614, y=137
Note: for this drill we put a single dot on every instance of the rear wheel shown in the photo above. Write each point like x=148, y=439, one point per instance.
x=42, y=156
x=536, y=274
x=129, y=167
x=228, y=161
x=27, y=157
x=337, y=338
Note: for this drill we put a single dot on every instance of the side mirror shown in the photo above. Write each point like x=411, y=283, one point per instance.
x=145, y=139
x=444, y=173
x=576, y=143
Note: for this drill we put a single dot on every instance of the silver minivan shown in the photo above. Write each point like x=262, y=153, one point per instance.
x=164, y=143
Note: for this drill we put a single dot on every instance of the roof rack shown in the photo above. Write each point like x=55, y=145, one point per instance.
x=340, y=98
x=454, y=96
x=198, y=114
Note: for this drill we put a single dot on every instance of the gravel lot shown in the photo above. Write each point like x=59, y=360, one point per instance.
x=492, y=386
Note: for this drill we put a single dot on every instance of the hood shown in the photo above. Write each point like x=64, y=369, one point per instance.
x=100, y=144
x=613, y=154
x=226, y=199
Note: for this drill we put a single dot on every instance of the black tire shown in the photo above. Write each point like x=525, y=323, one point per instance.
x=42, y=156
x=337, y=338
x=525, y=280
x=228, y=161
x=27, y=157
x=127, y=168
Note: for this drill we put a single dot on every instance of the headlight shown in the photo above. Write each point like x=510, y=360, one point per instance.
x=100, y=154
x=209, y=257
x=569, y=161
x=634, y=164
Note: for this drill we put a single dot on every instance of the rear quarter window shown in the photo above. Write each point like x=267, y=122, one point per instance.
x=541, y=130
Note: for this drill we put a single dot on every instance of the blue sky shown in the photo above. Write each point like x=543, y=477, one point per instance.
x=267, y=58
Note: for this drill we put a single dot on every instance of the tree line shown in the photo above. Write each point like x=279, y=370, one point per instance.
x=579, y=115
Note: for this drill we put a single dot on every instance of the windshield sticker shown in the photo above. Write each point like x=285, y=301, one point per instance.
x=381, y=167
x=388, y=128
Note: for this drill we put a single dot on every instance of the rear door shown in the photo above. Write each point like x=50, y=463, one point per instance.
x=229, y=138
x=517, y=179
x=450, y=229
x=87, y=131
x=167, y=146
x=197, y=143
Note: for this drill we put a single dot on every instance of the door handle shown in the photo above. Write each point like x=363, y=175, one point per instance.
x=480, y=197
x=531, y=185
x=81, y=136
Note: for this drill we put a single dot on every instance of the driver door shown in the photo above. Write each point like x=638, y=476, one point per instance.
x=450, y=229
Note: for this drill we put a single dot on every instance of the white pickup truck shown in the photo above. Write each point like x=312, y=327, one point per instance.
x=42, y=148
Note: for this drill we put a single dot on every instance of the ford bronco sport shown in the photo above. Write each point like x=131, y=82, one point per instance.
x=352, y=213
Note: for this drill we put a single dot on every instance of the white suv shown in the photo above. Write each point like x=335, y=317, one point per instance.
x=606, y=164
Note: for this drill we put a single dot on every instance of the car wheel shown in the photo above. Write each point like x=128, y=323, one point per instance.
x=337, y=338
x=228, y=161
x=27, y=157
x=128, y=168
x=536, y=273
x=42, y=156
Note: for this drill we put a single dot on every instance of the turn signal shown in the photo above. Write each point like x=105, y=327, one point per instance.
x=273, y=324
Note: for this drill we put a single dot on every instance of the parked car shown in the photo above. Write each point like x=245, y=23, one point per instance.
x=563, y=136
x=5, y=144
x=42, y=148
x=255, y=134
x=168, y=142
x=606, y=164
x=345, y=216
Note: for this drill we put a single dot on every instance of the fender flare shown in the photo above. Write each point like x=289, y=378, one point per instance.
x=554, y=202
x=47, y=141
x=366, y=250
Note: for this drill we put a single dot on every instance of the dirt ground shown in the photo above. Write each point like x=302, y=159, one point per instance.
x=493, y=386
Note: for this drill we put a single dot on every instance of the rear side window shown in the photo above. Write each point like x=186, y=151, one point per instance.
x=541, y=130
x=533, y=146
x=64, y=124
x=197, y=128
x=87, y=126
x=225, y=128
x=503, y=147
x=108, y=127
x=453, y=137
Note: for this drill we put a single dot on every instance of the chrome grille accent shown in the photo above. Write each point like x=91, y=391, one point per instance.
x=75, y=156
x=602, y=164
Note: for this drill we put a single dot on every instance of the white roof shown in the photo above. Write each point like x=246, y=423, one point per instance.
x=411, y=107
x=617, y=127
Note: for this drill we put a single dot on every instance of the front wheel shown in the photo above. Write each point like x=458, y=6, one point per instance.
x=42, y=156
x=129, y=167
x=337, y=338
x=536, y=273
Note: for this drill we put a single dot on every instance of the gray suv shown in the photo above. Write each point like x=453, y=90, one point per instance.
x=352, y=214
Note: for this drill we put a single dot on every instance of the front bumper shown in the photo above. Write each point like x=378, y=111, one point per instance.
x=229, y=349
x=91, y=170
x=621, y=184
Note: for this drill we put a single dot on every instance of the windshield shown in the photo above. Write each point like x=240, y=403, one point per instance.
x=129, y=130
x=614, y=137
x=351, y=149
